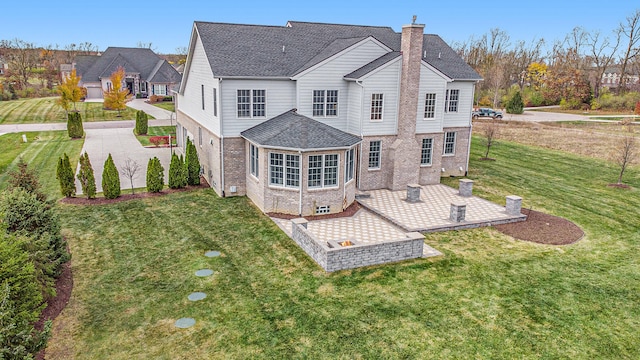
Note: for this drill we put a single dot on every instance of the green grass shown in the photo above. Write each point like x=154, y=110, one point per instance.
x=490, y=296
x=41, y=152
x=45, y=110
x=156, y=131
x=166, y=105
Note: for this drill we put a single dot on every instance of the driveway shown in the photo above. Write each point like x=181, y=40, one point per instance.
x=122, y=145
x=156, y=112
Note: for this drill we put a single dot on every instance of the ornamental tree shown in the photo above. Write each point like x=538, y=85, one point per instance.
x=86, y=177
x=110, y=179
x=65, y=176
x=155, y=175
x=116, y=97
x=192, y=164
x=70, y=92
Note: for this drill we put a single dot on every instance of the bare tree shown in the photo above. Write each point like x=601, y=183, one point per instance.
x=490, y=131
x=625, y=154
x=130, y=169
x=631, y=31
x=23, y=59
x=603, y=52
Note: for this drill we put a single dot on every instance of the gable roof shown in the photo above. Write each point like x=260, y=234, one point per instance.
x=134, y=60
x=164, y=73
x=238, y=50
x=291, y=130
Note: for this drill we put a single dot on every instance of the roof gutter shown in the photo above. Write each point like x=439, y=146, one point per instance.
x=359, y=83
x=254, y=77
x=346, y=147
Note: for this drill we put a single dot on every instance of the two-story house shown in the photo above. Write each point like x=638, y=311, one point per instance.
x=302, y=117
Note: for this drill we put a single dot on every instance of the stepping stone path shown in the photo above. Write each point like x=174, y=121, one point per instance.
x=184, y=323
x=204, y=272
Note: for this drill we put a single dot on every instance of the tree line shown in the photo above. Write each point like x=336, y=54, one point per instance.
x=568, y=71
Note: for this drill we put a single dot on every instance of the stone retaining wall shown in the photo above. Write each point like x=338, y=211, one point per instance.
x=333, y=257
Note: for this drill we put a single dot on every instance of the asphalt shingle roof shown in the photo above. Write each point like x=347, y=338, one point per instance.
x=357, y=74
x=238, y=50
x=138, y=60
x=291, y=130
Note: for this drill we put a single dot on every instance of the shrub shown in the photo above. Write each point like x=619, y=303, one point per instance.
x=20, y=302
x=154, y=99
x=110, y=179
x=142, y=122
x=155, y=175
x=26, y=179
x=65, y=177
x=167, y=98
x=86, y=177
x=192, y=164
x=177, y=172
x=637, y=109
x=159, y=140
x=515, y=105
x=74, y=125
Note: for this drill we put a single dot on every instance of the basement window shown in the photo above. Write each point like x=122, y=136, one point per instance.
x=323, y=209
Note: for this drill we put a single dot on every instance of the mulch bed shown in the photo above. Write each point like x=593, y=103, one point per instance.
x=543, y=228
x=126, y=197
x=350, y=211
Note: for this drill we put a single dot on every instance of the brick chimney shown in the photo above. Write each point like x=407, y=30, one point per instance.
x=405, y=151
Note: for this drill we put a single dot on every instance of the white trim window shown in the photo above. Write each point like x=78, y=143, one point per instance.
x=202, y=95
x=200, y=136
x=349, y=165
x=430, y=106
x=251, y=103
x=292, y=170
x=143, y=86
x=284, y=170
x=427, y=152
x=449, y=143
x=253, y=160
x=451, y=100
x=160, y=89
x=325, y=102
x=323, y=171
x=377, y=104
x=374, y=154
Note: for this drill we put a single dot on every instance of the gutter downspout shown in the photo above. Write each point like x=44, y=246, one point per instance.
x=221, y=141
x=361, y=135
x=466, y=169
x=300, y=183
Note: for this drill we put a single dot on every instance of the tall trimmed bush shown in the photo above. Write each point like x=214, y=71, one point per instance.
x=74, y=125
x=86, y=177
x=192, y=164
x=515, y=105
x=65, y=177
x=110, y=179
x=155, y=175
x=177, y=172
x=142, y=123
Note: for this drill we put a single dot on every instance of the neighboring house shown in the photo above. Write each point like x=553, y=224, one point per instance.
x=613, y=75
x=145, y=72
x=302, y=117
x=4, y=66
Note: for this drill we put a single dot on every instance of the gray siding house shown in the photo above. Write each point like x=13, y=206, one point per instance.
x=302, y=117
x=145, y=72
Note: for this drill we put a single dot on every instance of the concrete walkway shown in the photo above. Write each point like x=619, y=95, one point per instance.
x=156, y=112
x=122, y=145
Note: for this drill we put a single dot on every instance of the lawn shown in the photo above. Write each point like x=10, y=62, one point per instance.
x=166, y=105
x=45, y=110
x=41, y=152
x=490, y=296
x=157, y=131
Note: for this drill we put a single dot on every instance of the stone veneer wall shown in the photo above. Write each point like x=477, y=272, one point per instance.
x=358, y=255
x=453, y=163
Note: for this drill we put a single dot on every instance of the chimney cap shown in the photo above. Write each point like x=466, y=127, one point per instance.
x=413, y=26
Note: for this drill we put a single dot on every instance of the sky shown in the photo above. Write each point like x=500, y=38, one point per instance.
x=167, y=24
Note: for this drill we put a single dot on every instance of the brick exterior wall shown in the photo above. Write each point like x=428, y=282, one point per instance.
x=336, y=257
x=404, y=152
x=235, y=166
x=287, y=200
x=453, y=163
x=430, y=174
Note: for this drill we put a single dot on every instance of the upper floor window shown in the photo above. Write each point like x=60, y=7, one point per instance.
x=451, y=100
x=251, y=103
x=374, y=154
x=430, y=106
x=202, y=95
x=325, y=102
x=376, y=107
x=449, y=143
x=427, y=150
